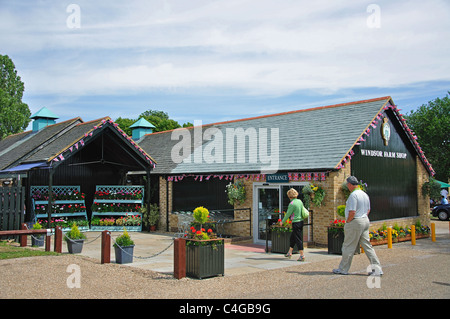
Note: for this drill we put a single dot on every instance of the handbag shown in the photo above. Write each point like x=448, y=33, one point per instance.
x=305, y=213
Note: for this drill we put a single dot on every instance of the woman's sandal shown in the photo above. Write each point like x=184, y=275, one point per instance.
x=301, y=258
x=288, y=255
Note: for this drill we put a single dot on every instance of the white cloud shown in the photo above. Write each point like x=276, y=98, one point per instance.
x=259, y=47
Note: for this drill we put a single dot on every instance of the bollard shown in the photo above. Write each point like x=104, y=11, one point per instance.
x=413, y=235
x=23, y=238
x=389, y=231
x=58, y=239
x=106, y=247
x=433, y=232
x=47, y=242
x=179, y=258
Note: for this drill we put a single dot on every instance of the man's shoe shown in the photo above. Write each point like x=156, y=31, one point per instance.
x=375, y=272
x=339, y=272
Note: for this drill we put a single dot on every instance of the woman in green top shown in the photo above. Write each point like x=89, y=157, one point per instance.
x=295, y=208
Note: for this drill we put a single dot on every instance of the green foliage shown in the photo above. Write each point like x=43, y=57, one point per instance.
x=14, y=114
x=431, y=124
x=201, y=215
x=74, y=233
x=124, y=240
x=151, y=217
x=159, y=119
x=37, y=226
x=236, y=192
x=432, y=189
x=341, y=210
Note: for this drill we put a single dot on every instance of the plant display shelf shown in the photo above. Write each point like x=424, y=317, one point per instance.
x=114, y=192
x=59, y=191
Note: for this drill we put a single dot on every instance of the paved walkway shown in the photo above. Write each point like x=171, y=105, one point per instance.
x=153, y=251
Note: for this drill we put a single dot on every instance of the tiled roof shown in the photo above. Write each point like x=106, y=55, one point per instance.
x=311, y=139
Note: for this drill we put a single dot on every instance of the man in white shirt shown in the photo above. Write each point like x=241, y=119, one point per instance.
x=356, y=229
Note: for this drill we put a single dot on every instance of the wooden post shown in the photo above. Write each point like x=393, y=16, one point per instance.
x=179, y=256
x=47, y=242
x=58, y=239
x=23, y=238
x=413, y=235
x=106, y=247
x=433, y=232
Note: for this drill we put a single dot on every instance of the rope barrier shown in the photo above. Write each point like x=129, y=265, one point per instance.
x=140, y=257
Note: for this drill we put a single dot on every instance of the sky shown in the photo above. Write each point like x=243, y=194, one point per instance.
x=219, y=60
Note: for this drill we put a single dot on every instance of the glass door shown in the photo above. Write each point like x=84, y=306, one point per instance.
x=268, y=203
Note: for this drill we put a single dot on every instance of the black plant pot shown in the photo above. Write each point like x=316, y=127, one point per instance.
x=75, y=246
x=37, y=240
x=124, y=255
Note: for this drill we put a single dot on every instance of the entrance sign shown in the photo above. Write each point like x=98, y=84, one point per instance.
x=277, y=178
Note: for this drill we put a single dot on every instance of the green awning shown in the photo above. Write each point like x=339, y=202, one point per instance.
x=443, y=185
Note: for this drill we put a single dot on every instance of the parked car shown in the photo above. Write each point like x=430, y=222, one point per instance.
x=441, y=211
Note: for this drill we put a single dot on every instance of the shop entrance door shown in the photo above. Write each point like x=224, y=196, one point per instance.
x=269, y=203
x=267, y=206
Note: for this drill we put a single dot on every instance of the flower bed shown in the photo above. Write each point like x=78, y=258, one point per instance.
x=399, y=234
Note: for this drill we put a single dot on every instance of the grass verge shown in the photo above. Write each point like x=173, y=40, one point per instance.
x=8, y=251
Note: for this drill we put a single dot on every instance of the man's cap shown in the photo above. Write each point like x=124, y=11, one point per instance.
x=352, y=180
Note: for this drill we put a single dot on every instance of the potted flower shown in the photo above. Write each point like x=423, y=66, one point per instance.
x=314, y=194
x=123, y=248
x=236, y=193
x=336, y=236
x=281, y=237
x=205, y=254
x=37, y=239
x=74, y=239
x=150, y=218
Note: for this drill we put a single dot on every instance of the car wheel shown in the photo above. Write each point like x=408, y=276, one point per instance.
x=443, y=215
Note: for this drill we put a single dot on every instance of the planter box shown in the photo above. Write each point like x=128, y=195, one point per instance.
x=335, y=241
x=280, y=242
x=75, y=246
x=124, y=255
x=205, y=261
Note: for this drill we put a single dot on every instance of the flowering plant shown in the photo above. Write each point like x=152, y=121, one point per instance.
x=285, y=227
x=336, y=226
x=314, y=193
x=70, y=195
x=236, y=193
x=198, y=235
x=118, y=195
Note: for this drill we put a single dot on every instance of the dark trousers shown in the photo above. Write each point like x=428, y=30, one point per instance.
x=297, y=235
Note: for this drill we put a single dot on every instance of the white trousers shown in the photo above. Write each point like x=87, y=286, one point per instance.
x=357, y=233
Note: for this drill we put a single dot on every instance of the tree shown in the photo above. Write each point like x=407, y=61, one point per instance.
x=431, y=123
x=14, y=114
x=159, y=119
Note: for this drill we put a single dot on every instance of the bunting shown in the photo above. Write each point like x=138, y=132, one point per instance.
x=374, y=124
x=293, y=177
x=81, y=142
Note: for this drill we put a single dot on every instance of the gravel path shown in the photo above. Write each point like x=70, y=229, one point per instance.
x=422, y=271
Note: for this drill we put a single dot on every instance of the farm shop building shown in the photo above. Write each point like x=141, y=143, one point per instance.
x=270, y=154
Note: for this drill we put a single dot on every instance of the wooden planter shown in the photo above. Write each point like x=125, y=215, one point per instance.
x=335, y=240
x=203, y=261
x=281, y=242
